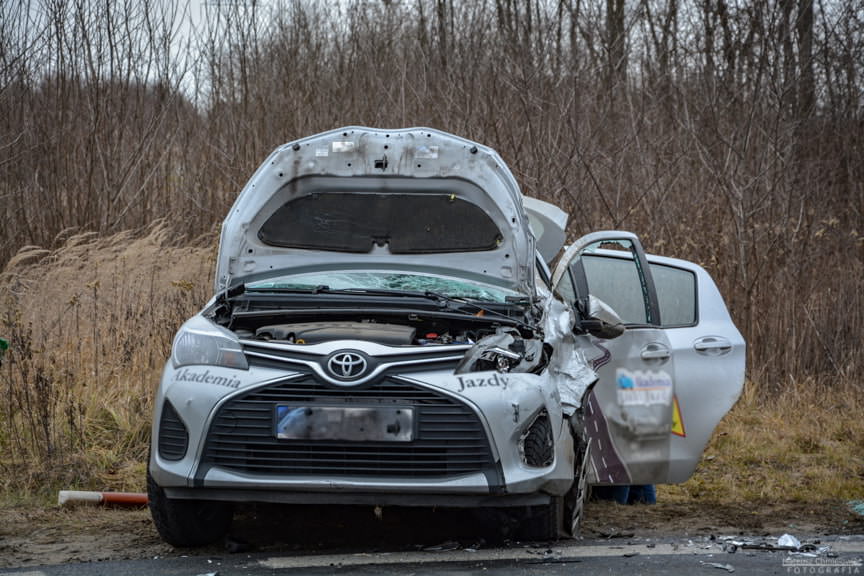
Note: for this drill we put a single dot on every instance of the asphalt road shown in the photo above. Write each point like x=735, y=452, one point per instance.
x=670, y=556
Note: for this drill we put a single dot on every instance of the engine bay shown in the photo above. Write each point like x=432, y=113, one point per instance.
x=417, y=333
x=493, y=347
x=500, y=336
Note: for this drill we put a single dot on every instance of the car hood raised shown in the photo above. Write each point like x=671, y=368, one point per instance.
x=362, y=198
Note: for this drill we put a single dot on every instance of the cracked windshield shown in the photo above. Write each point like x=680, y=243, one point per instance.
x=385, y=280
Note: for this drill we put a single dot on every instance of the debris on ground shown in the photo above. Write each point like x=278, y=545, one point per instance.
x=476, y=545
x=447, y=546
x=47, y=535
x=785, y=543
x=547, y=554
x=787, y=540
x=726, y=567
x=614, y=533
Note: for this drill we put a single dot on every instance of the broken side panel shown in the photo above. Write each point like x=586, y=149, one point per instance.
x=628, y=414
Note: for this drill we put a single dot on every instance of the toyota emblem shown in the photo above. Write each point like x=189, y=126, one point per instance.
x=346, y=365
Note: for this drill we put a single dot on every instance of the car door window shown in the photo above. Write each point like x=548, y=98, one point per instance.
x=676, y=295
x=616, y=281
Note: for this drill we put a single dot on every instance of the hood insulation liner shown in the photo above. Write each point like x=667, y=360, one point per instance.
x=357, y=221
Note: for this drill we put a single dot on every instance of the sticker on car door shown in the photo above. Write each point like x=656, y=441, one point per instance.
x=643, y=387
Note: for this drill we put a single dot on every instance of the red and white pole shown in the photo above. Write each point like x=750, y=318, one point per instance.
x=67, y=497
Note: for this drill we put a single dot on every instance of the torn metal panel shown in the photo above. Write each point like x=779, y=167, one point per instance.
x=568, y=369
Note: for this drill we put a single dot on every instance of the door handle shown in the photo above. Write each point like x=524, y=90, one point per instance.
x=715, y=345
x=654, y=351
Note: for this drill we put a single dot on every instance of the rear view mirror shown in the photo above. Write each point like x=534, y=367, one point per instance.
x=601, y=320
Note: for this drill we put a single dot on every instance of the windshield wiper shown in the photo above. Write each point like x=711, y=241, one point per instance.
x=320, y=289
x=481, y=310
x=443, y=300
x=379, y=292
x=324, y=289
x=452, y=303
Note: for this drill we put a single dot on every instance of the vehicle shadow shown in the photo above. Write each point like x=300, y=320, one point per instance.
x=275, y=527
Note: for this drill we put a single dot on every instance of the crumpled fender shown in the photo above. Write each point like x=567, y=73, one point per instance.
x=568, y=369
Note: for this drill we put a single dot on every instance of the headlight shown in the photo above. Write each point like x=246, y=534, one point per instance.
x=200, y=342
x=501, y=358
x=504, y=351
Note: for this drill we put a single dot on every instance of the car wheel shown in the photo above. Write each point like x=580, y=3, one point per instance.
x=537, y=445
x=542, y=522
x=187, y=523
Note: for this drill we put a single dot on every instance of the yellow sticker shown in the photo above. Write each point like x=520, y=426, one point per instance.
x=677, y=421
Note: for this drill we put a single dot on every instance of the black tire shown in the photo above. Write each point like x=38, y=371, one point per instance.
x=562, y=517
x=537, y=444
x=187, y=523
x=498, y=524
x=542, y=522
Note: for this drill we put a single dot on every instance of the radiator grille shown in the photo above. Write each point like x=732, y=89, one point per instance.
x=449, y=438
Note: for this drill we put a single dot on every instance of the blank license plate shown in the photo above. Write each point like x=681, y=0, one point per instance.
x=354, y=424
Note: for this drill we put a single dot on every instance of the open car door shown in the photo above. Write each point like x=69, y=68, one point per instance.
x=669, y=378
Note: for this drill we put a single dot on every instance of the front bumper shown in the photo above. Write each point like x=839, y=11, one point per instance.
x=466, y=449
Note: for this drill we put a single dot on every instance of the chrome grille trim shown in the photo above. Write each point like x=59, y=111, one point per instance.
x=431, y=358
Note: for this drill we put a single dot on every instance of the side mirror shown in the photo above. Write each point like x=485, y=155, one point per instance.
x=601, y=321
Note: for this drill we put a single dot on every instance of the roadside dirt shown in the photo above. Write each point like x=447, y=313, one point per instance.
x=30, y=537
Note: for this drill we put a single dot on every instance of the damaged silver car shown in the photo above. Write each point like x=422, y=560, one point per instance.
x=385, y=331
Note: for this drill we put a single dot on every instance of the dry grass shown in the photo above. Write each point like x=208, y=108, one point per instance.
x=804, y=444
x=90, y=327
